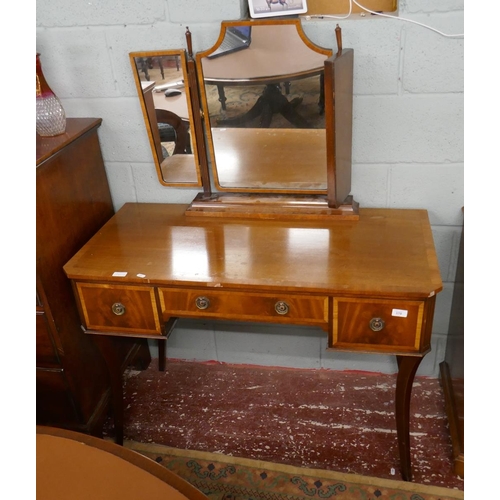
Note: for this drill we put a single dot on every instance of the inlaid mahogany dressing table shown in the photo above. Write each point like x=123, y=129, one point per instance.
x=370, y=284
x=279, y=241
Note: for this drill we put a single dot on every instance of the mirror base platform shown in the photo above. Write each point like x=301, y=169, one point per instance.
x=272, y=206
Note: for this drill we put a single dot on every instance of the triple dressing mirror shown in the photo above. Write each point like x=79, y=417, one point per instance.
x=264, y=119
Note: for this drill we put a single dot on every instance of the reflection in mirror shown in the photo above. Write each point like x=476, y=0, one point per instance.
x=265, y=106
x=161, y=84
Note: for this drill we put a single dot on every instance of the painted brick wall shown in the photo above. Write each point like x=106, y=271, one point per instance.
x=407, y=148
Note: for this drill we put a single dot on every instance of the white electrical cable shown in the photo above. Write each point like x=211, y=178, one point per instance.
x=322, y=16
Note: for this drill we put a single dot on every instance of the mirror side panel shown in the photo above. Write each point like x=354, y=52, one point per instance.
x=338, y=113
x=165, y=98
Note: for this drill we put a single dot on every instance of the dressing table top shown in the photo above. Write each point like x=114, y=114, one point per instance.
x=387, y=252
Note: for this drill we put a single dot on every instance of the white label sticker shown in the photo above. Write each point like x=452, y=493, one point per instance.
x=400, y=313
x=120, y=274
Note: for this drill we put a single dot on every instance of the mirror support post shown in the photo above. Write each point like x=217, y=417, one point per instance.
x=189, y=43
x=197, y=117
x=330, y=134
x=338, y=36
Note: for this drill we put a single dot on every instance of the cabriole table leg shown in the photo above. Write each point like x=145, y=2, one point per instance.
x=407, y=368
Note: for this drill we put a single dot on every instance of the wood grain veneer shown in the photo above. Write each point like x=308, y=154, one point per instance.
x=389, y=253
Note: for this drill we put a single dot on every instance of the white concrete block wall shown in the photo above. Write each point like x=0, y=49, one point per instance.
x=407, y=144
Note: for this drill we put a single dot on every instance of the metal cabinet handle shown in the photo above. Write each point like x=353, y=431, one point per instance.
x=281, y=307
x=377, y=324
x=118, y=309
x=202, y=303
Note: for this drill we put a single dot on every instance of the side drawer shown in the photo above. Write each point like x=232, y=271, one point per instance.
x=377, y=324
x=265, y=307
x=119, y=308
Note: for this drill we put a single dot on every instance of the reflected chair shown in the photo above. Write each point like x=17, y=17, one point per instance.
x=144, y=64
x=173, y=128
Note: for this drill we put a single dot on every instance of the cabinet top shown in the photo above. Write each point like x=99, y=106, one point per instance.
x=75, y=127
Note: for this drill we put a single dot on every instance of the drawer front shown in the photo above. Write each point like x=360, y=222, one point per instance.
x=377, y=325
x=119, y=308
x=54, y=402
x=265, y=307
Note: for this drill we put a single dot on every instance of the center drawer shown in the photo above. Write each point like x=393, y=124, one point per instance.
x=119, y=308
x=232, y=305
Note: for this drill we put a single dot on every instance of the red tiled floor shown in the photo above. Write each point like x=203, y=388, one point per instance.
x=341, y=421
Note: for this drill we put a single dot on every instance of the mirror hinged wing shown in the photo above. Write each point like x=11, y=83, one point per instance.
x=168, y=93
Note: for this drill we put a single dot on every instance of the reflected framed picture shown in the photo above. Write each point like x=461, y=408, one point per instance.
x=272, y=8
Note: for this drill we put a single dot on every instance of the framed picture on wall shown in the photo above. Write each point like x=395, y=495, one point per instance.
x=271, y=8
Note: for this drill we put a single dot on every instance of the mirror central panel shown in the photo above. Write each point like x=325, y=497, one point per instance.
x=263, y=97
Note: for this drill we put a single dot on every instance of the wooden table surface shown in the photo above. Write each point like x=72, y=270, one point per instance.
x=75, y=466
x=388, y=252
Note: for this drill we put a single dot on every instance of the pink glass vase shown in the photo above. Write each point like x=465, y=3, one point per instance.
x=50, y=116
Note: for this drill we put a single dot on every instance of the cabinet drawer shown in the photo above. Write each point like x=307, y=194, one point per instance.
x=54, y=401
x=377, y=324
x=241, y=306
x=119, y=308
x=45, y=353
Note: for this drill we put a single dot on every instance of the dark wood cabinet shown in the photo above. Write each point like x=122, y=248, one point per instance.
x=452, y=368
x=73, y=201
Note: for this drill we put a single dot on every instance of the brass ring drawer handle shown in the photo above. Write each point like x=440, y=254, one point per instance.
x=202, y=303
x=118, y=308
x=281, y=307
x=377, y=324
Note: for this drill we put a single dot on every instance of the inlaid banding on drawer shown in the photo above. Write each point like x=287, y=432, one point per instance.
x=119, y=308
x=265, y=307
x=377, y=324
